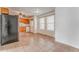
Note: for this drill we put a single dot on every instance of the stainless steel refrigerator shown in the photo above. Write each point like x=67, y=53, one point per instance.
x=8, y=28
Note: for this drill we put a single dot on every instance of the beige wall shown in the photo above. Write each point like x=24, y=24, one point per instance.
x=12, y=12
x=67, y=26
x=49, y=33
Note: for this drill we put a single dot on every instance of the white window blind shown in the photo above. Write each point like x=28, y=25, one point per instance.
x=50, y=23
x=42, y=23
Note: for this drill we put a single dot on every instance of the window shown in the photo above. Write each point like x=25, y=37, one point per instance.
x=42, y=23
x=50, y=23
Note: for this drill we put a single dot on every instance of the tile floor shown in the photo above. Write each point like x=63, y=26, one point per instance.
x=29, y=42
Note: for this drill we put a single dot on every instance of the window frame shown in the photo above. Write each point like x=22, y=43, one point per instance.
x=50, y=23
x=42, y=23
x=45, y=24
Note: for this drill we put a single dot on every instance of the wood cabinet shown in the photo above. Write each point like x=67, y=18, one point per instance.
x=22, y=29
x=4, y=10
x=24, y=25
x=23, y=20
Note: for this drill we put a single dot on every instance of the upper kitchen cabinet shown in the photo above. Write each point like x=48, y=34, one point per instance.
x=24, y=20
x=4, y=10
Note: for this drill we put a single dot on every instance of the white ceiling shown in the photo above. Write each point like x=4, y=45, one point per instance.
x=32, y=10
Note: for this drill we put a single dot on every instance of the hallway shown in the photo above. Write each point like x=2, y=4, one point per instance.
x=29, y=42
